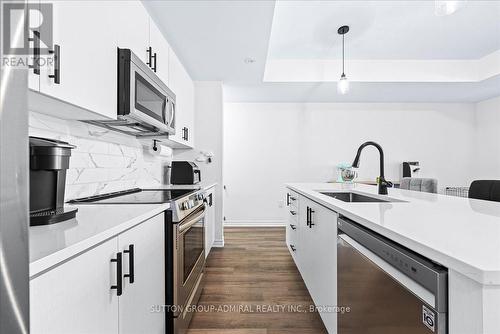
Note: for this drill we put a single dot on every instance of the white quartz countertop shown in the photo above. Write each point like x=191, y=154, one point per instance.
x=53, y=244
x=461, y=234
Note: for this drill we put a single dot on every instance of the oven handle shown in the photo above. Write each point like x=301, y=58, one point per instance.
x=184, y=227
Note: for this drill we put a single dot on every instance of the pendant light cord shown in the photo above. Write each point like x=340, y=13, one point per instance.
x=343, y=72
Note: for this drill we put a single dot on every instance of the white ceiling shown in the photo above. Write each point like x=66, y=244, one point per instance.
x=213, y=38
x=384, y=30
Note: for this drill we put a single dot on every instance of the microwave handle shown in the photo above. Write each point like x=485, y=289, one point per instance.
x=199, y=173
x=172, y=112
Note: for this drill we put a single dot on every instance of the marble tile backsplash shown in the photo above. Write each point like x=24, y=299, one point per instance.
x=103, y=161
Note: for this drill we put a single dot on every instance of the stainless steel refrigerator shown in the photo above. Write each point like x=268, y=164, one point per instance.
x=14, y=205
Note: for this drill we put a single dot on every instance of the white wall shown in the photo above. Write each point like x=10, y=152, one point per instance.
x=208, y=124
x=487, y=162
x=269, y=144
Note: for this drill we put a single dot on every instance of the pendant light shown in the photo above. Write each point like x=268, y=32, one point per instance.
x=343, y=84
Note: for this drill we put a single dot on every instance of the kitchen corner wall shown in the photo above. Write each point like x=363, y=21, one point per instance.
x=103, y=161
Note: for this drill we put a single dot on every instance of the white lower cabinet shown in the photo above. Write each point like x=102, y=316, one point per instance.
x=75, y=297
x=210, y=221
x=82, y=294
x=143, y=281
x=315, y=241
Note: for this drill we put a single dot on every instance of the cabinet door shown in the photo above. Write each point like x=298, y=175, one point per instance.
x=84, y=44
x=76, y=297
x=144, y=277
x=181, y=84
x=210, y=222
x=160, y=50
x=132, y=28
x=321, y=260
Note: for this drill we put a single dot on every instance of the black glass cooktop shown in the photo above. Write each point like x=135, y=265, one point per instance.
x=135, y=196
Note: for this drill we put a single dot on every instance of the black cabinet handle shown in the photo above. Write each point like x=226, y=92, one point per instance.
x=149, y=51
x=293, y=227
x=293, y=212
x=130, y=252
x=311, y=211
x=292, y=198
x=287, y=199
x=292, y=247
x=154, y=62
x=36, y=51
x=118, y=287
x=57, y=64
x=187, y=134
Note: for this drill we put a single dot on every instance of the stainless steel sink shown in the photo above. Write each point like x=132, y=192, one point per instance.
x=358, y=198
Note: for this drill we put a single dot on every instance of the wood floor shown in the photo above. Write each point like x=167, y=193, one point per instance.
x=256, y=276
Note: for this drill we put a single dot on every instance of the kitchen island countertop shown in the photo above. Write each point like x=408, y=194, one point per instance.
x=460, y=233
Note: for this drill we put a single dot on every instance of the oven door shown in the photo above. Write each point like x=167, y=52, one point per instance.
x=190, y=258
x=151, y=102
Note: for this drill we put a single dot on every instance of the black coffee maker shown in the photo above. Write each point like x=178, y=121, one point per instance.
x=49, y=160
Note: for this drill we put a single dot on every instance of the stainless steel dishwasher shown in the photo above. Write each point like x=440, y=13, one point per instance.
x=387, y=288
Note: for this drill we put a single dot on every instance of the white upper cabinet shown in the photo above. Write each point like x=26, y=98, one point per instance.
x=34, y=42
x=159, y=52
x=131, y=22
x=83, y=69
x=183, y=87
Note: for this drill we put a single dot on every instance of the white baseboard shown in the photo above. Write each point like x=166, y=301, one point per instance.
x=254, y=223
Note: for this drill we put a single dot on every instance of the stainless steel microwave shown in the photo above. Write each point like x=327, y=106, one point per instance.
x=146, y=106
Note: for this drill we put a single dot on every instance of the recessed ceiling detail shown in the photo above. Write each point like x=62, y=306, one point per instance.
x=400, y=49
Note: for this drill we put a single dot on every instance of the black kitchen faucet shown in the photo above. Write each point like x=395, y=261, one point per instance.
x=382, y=183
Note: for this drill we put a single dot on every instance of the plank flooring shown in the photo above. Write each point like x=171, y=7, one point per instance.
x=255, y=275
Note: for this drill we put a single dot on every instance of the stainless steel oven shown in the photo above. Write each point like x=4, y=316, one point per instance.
x=189, y=262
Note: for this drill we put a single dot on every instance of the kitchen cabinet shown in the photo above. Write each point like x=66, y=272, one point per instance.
x=131, y=29
x=210, y=220
x=159, y=52
x=76, y=296
x=181, y=84
x=315, y=252
x=83, y=67
x=144, y=277
x=292, y=227
x=83, y=294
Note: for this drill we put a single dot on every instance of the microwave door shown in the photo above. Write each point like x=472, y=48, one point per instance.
x=148, y=102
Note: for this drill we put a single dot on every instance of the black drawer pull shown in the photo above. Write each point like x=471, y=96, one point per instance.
x=57, y=64
x=293, y=212
x=118, y=287
x=130, y=252
x=293, y=198
x=311, y=211
x=293, y=227
x=292, y=247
